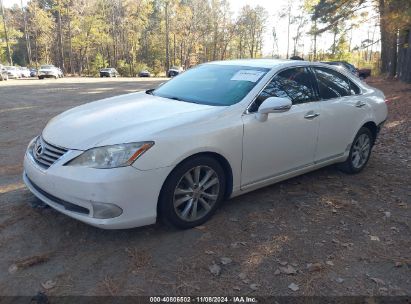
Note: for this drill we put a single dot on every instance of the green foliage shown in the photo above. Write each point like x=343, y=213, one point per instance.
x=98, y=63
x=13, y=34
x=124, y=68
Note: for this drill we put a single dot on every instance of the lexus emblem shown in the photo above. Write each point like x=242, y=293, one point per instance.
x=38, y=149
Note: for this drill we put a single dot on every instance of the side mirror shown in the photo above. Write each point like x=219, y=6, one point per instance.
x=273, y=105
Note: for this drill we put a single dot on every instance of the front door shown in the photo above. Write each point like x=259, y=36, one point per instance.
x=287, y=141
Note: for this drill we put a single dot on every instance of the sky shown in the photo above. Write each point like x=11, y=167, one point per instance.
x=274, y=8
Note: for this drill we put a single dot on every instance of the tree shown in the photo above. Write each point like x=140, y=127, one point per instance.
x=394, y=16
x=41, y=28
x=251, y=26
x=6, y=34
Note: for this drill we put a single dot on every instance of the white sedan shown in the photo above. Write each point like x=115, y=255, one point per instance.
x=215, y=132
x=12, y=72
x=48, y=71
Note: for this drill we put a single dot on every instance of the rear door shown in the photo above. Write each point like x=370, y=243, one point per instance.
x=342, y=111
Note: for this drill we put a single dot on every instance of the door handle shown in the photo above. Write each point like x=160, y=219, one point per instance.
x=311, y=115
x=360, y=104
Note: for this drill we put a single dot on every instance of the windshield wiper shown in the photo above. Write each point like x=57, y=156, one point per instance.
x=175, y=98
x=150, y=92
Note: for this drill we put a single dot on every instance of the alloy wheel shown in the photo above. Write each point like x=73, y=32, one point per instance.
x=361, y=151
x=196, y=193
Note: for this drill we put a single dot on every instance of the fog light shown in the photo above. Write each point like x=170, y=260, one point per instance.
x=106, y=211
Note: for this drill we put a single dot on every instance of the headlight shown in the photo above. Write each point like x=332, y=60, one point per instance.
x=111, y=156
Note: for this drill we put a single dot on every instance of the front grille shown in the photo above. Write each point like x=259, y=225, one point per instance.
x=68, y=206
x=46, y=154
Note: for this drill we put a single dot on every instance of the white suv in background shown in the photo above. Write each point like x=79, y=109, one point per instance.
x=12, y=72
x=49, y=71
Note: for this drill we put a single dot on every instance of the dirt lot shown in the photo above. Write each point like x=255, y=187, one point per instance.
x=353, y=230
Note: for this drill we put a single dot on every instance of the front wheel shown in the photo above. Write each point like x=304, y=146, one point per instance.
x=192, y=192
x=360, y=152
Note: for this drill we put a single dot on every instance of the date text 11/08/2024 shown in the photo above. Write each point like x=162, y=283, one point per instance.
x=237, y=299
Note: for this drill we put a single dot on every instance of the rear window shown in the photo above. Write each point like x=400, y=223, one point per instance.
x=355, y=90
x=332, y=84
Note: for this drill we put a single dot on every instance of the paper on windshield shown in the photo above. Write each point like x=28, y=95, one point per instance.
x=248, y=75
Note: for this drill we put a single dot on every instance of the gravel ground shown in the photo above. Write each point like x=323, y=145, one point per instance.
x=323, y=233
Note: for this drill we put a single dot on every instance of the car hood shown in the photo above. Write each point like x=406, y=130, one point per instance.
x=123, y=119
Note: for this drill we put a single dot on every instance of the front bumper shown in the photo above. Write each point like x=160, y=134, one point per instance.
x=74, y=190
x=48, y=75
x=12, y=76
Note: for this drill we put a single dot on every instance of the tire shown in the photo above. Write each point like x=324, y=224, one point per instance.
x=177, y=193
x=360, y=152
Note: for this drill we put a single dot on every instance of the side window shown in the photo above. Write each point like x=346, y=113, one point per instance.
x=295, y=84
x=355, y=90
x=332, y=84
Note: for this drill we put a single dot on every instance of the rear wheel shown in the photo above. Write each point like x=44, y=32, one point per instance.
x=192, y=192
x=360, y=152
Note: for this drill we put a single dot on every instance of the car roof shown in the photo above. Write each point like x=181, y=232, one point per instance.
x=269, y=63
x=257, y=63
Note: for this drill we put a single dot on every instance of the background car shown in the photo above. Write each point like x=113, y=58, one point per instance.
x=3, y=74
x=344, y=64
x=24, y=72
x=364, y=73
x=33, y=72
x=13, y=72
x=174, y=71
x=144, y=73
x=109, y=72
x=48, y=71
x=60, y=73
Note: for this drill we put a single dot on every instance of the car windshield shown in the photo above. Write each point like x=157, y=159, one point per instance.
x=212, y=84
x=47, y=67
x=10, y=68
x=106, y=70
